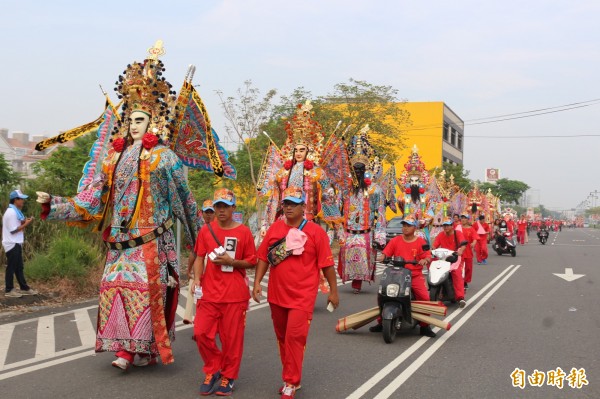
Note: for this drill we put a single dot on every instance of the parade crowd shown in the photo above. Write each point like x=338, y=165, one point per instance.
x=314, y=192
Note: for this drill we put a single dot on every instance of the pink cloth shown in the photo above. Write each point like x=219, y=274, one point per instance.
x=295, y=240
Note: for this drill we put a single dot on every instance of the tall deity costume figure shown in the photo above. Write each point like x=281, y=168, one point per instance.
x=364, y=216
x=415, y=201
x=140, y=191
x=300, y=155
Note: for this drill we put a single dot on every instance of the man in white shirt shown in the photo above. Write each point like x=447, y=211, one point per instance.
x=13, y=224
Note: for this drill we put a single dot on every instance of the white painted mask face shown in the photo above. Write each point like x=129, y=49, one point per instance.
x=300, y=152
x=414, y=180
x=138, y=125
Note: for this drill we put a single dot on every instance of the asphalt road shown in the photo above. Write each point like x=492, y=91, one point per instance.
x=519, y=316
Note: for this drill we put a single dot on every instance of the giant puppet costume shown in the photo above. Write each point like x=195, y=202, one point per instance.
x=297, y=164
x=415, y=201
x=134, y=193
x=364, y=216
x=304, y=161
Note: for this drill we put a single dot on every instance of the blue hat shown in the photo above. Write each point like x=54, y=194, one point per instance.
x=225, y=196
x=409, y=220
x=17, y=194
x=207, y=205
x=293, y=194
x=447, y=221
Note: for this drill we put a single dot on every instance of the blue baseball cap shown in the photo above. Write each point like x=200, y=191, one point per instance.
x=293, y=194
x=225, y=196
x=409, y=220
x=18, y=194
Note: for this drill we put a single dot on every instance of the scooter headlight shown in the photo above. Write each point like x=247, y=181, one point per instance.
x=392, y=290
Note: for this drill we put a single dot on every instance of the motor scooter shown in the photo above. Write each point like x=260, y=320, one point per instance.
x=439, y=278
x=505, y=243
x=394, y=296
x=543, y=236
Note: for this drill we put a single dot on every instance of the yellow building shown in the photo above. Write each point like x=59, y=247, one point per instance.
x=438, y=133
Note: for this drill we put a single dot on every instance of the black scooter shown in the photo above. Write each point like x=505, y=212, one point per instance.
x=394, y=297
x=505, y=243
x=543, y=236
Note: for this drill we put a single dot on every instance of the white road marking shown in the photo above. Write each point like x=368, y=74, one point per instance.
x=87, y=331
x=45, y=346
x=414, y=366
x=384, y=372
x=6, y=331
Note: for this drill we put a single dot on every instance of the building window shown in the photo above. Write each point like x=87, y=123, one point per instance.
x=453, y=137
x=446, y=128
x=460, y=140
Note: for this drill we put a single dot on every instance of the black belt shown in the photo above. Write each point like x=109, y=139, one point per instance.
x=134, y=242
x=358, y=231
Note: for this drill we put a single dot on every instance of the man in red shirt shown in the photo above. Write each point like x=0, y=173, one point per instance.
x=521, y=229
x=455, y=241
x=222, y=307
x=410, y=247
x=294, y=282
x=481, y=247
x=467, y=256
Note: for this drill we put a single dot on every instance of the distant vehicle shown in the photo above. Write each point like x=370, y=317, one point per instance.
x=586, y=225
x=393, y=228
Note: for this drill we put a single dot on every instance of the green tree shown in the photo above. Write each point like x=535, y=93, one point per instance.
x=8, y=177
x=356, y=104
x=509, y=191
x=60, y=173
x=461, y=176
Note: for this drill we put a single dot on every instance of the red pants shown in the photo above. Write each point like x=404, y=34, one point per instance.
x=468, y=265
x=291, y=329
x=481, y=249
x=521, y=237
x=458, y=283
x=229, y=321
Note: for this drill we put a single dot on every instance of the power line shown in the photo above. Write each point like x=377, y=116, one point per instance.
x=516, y=115
x=536, y=110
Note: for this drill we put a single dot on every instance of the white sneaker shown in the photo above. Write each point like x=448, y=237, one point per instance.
x=121, y=363
x=462, y=303
x=13, y=294
x=29, y=292
x=280, y=391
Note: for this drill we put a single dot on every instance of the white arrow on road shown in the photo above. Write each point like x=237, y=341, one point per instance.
x=569, y=276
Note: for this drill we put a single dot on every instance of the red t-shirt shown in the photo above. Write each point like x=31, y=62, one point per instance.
x=409, y=251
x=470, y=236
x=294, y=282
x=522, y=225
x=217, y=285
x=443, y=240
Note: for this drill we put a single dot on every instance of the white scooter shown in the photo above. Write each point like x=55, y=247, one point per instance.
x=439, y=278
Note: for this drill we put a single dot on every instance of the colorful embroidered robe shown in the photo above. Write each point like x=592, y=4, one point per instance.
x=364, y=223
x=136, y=308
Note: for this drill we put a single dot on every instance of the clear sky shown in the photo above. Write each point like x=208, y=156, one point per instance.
x=482, y=58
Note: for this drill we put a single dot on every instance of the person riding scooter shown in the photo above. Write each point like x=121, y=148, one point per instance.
x=410, y=247
x=500, y=234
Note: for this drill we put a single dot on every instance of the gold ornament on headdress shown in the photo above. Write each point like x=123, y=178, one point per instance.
x=360, y=150
x=415, y=167
x=303, y=130
x=143, y=88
